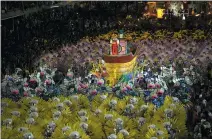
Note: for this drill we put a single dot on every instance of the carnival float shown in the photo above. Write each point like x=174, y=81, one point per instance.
x=120, y=60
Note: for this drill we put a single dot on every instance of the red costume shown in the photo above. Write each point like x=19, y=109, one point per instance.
x=114, y=48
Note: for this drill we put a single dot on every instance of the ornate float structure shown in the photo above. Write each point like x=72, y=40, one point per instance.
x=120, y=60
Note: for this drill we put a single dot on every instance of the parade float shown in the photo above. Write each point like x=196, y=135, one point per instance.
x=120, y=60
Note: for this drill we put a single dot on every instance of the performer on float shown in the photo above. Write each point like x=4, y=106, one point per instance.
x=122, y=43
x=114, y=46
x=118, y=45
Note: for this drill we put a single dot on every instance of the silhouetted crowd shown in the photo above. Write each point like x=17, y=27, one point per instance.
x=27, y=37
x=201, y=112
x=9, y=6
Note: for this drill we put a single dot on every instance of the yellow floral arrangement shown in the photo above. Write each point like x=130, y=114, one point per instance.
x=160, y=34
x=105, y=116
x=198, y=35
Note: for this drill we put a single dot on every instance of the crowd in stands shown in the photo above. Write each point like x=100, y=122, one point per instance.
x=47, y=31
x=9, y=6
x=50, y=29
x=202, y=116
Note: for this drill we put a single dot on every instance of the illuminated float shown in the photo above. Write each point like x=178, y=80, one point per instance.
x=120, y=60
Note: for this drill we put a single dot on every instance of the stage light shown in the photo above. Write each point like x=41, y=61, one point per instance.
x=56, y=6
x=182, y=7
x=173, y=7
x=183, y=17
x=160, y=13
